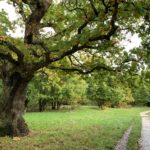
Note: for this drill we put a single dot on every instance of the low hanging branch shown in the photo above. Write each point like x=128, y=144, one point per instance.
x=85, y=71
x=82, y=70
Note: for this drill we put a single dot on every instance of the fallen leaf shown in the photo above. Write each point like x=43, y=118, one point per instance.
x=16, y=139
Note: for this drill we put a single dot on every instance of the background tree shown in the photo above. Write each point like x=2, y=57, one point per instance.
x=62, y=88
x=142, y=95
x=107, y=90
x=140, y=88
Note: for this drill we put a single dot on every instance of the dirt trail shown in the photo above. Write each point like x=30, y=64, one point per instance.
x=145, y=132
x=122, y=143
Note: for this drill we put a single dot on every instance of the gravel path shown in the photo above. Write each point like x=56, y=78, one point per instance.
x=145, y=132
x=122, y=143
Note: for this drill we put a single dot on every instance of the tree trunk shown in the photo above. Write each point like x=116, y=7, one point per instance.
x=58, y=105
x=26, y=104
x=53, y=105
x=100, y=103
x=12, y=106
x=42, y=105
x=148, y=104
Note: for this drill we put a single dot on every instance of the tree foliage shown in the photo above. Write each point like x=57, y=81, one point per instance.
x=107, y=90
x=56, y=88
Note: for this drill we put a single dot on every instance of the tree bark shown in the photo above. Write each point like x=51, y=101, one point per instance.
x=12, y=108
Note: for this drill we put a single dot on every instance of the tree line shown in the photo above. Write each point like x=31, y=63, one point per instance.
x=51, y=90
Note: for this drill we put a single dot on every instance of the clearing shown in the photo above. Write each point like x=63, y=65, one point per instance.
x=86, y=128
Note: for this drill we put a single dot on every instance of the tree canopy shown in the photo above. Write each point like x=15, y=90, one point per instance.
x=90, y=26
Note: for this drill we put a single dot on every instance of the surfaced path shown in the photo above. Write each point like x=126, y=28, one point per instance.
x=145, y=132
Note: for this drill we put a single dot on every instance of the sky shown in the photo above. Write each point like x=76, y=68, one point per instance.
x=134, y=39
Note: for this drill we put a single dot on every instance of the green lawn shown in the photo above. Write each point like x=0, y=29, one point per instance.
x=83, y=129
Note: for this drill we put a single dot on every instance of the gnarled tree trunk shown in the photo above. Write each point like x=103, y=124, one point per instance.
x=12, y=106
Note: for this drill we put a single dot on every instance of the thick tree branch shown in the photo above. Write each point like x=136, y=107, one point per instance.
x=96, y=68
x=69, y=52
x=112, y=23
x=32, y=24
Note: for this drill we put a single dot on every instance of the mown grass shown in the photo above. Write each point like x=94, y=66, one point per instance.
x=86, y=128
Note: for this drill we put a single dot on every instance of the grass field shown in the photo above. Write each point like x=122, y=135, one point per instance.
x=82, y=129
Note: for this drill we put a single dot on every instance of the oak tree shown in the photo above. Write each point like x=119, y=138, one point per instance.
x=89, y=26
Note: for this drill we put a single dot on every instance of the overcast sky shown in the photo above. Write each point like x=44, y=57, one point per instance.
x=134, y=40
